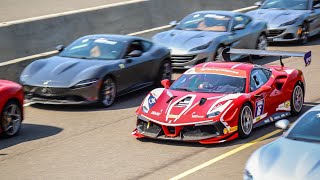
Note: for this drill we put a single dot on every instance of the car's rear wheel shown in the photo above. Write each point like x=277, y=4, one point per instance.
x=297, y=99
x=218, y=54
x=245, y=122
x=11, y=119
x=107, y=94
x=304, y=34
x=165, y=72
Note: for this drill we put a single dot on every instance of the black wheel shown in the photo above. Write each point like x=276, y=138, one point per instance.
x=218, y=54
x=165, y=72
x=11, y=118
x=304, y=34
x=107, y=94
x=262, y=44
x=245, y=122
x=297, y=99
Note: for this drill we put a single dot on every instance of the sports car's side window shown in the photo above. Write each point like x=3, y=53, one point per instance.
x=146, y=45
x=257, y=79
x=240, y=19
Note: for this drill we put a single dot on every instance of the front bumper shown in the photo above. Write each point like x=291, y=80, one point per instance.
x=186, y=60
x=205, y=134
x=284, y=34
x=57, y=95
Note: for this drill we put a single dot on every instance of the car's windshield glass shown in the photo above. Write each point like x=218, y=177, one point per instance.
x=308, y=128
x=210, y=83
x=285, y=4
x=94, y=48
x=205, y=22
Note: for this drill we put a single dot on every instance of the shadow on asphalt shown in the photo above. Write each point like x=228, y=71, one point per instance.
x=258, y=132
x=123, y=102
x=29, y=132
x=314, y=40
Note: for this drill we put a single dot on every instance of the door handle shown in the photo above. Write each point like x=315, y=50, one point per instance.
x=128, y=60
x=258, y=96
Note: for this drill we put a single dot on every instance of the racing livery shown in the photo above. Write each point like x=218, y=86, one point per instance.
x=219, y=101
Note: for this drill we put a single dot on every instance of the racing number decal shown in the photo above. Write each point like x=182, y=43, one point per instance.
x=151, y=101
x=259, y=108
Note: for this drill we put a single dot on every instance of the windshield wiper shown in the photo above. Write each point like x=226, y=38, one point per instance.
x=183, y=89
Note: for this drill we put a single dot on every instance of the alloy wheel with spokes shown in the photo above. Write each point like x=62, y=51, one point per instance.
x=304, y=34
x=262, y=43
x=297, y=100
x=11, y=119
x=245, y=123
x=218, y=54
x=165, y=72
x=108, y=92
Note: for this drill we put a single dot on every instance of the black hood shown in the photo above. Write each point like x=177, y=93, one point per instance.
x=60, y=71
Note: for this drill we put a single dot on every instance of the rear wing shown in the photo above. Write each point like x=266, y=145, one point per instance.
x=226, y=53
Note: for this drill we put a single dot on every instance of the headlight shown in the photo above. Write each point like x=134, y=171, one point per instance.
x=290, y=22
x=85, y=83
x=214, y=114
x=23, y=78
x=247, y=175
x=205, y=46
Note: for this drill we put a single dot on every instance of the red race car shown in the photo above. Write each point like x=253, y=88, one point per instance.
x=11, y=106
x=220, y=101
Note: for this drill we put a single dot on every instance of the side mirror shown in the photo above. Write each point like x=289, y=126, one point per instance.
x=283, y=124
x=166, y=83
x=135, y=53
x=259, y=3
x=239, y=27
x=60, y=48
x=317, y=6
x=173, y=23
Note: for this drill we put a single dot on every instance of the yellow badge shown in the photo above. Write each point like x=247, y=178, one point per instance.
x=287, y=104
x=121, y=66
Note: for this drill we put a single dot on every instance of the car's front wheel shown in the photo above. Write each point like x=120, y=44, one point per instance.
x=107, y=94
x=297, y=99
x=218, y=54
x=304, y=34
x=165, y=72
x=245, y=122
x=11, y=119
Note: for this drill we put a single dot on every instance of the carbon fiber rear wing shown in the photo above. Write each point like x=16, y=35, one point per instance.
x=226, y=53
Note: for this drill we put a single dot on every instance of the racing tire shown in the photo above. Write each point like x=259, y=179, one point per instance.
x=297, y=99
x=303, y=39
x=165, y=72
x=218, y=54
x=107, y=93
x=262, y=44
x=11, y=119
x=245, y=122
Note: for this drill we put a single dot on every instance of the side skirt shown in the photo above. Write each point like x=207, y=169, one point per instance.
x=275, y=117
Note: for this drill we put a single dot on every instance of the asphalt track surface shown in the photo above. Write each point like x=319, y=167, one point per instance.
x=11, y=10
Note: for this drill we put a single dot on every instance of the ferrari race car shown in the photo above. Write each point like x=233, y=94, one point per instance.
x=11, y=108
x=219, y=101
x=96, y=68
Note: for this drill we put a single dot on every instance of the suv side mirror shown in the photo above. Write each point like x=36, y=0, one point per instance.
x=239, y=27
x=166, y=83
x=60, y=48
x=173, y=23
x=135, y=53
x=259, y=3
x=283, y=124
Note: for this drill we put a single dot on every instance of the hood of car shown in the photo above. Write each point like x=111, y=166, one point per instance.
x=61, y=71
x=185, y=39
x=289, y=159
x=181, y=108
x=276, y=17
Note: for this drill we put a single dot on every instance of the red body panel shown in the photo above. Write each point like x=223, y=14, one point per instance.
x=185, y=108
x=10, y=91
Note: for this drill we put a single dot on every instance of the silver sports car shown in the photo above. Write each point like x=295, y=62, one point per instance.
x=289, y=20
x=295, y=155
x=201, y=36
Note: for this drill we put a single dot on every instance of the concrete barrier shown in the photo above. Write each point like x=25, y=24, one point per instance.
x=33, y=37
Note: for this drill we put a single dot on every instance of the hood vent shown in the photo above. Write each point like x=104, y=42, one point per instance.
x=202, y=101
x=183, y=103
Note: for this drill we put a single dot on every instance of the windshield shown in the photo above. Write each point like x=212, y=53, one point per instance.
x=308, y=128
x=285, y=4
x=209, y=83
x=205, y=22
x=94, y=48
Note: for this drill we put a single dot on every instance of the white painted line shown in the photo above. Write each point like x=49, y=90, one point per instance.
x=69, y=12
x=100, y=7
x=27, y=58
x=28, y=104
